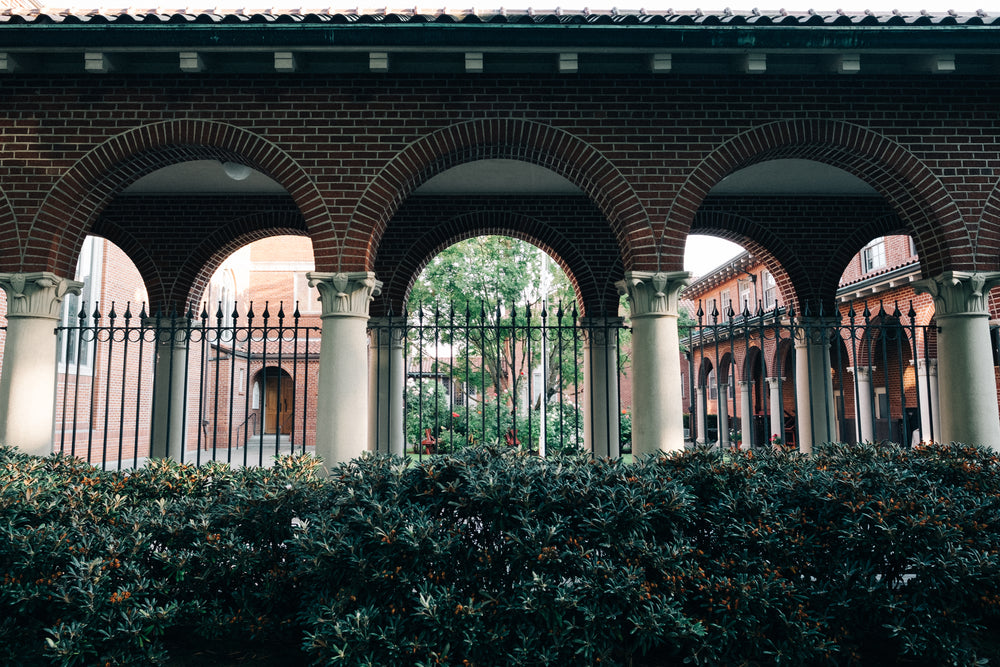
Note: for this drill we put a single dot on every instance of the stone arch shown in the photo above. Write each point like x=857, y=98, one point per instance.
x=516, y=139
x=77, y=199
x=911, y=189
x=592, y=292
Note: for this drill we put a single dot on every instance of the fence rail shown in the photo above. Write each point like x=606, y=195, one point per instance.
x=502, y=373
x=130, y=384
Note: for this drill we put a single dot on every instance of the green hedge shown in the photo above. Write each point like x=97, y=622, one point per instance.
x=863, y=555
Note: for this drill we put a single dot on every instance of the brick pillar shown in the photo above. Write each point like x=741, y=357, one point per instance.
x=815, y=413
x=658, y=416
x=966, y=384
x=28, y=376
x=600, y=385
x=865, y=408
x=169, y=427
x=342, y=417
x=386, y=386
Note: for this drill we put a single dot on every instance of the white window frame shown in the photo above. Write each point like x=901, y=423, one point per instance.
x=879, y=393
x=873, y=255
x=726, y=297
x=307, y=297
x=745, y=288
x=88, y=271
x=770, y=289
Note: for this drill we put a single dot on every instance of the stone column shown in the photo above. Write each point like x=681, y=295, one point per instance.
x=342, y=400
x=701, y=437
x=968, y=396
x=386, y=386
x=723, y=409
x=777, y=416
x=814, y=406
x=930, y=404
x=865, y=407
x=28, y=375
x=600, y=385
x=746, y=416
x=657, y=415
x=170, y=387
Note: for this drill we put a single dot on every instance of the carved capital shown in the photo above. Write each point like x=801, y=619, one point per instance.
x=774, y=381
x=862, y=373
x=958, y=293
x=927, y=367
x=653, y=294
x=810, y=331
x=345, y=294
x=600, y=331
x=38, y=294
x=387, y=332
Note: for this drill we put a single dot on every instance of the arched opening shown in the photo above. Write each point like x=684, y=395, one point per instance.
x=495, y=350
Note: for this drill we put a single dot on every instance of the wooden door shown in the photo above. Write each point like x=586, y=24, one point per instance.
x=278, y=408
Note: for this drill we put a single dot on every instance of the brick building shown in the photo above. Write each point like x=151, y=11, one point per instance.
x=801, y=136
x=741, y=380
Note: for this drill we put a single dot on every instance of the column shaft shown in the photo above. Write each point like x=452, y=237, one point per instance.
x=702, y=436
x=386, y=383
x=342, y=419
x=600, y=386
x=170, y=389
x=723, y=409
x=865, y=408
x=658, y=416
x=968, y=396
x=814, y=407
x=777, y=413
x=746, y=416
x=28, y=377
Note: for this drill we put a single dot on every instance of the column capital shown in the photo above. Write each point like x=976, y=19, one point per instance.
x=653, y=294
x=37, y=294
x=743, y=384
x=388, y=331
x=774, y=381
x=600, y=330
x=959, y=293
x=863, y=373
x=813, y=330
x=927, y=366
x=345, y=294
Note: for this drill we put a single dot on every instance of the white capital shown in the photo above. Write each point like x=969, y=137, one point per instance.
x=653, y=294
x=37, y=294
x=345, y=294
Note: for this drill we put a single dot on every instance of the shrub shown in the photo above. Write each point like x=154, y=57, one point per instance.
x=857, y=555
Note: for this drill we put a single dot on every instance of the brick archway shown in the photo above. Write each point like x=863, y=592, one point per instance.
x=77, y=199
x=987, y=251
x=908, y=186
x=514, y=139
x=9, y=236
x=477, y=223
x=592, y=267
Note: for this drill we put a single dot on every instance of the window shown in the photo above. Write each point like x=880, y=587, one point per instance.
x=727, y=303
x=747, y=299
x=881, y=403
x=873, y=255
x=76, y=353
x=770, y=290
x=221, y=295
x=710, y=308
x=308, y=297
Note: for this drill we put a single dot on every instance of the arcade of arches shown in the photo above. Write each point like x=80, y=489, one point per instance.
x=608, y=172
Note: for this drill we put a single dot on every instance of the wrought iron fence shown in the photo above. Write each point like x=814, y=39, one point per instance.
x=878, y=384
x=506, y=374
x=229, y=387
